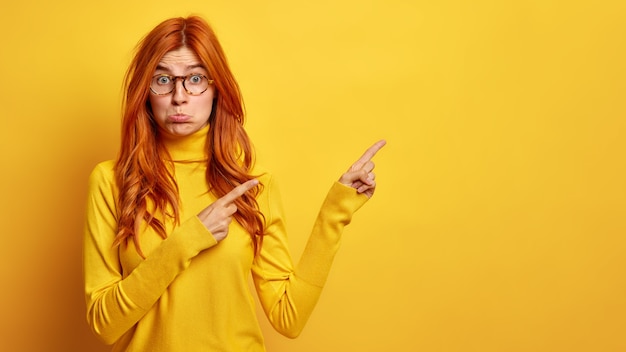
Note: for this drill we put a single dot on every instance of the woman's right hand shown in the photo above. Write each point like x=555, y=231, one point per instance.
x=217, y=216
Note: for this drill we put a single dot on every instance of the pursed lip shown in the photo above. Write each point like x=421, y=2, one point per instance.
x=179, y=118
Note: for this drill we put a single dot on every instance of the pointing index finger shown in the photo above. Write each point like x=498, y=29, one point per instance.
x=369, y=154
x=239, y=191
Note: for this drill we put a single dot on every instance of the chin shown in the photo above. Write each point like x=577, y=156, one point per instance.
x=180, y=131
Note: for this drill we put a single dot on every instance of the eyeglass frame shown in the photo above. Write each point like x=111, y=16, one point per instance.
x=183, y=78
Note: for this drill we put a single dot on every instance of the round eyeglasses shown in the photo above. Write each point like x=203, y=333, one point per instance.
x=194, y=84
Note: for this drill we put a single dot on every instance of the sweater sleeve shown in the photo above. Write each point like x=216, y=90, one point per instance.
x=287, y=294
x=115, y=302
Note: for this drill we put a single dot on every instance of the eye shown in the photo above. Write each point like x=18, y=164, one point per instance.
x=163, y=80
x=195, y=79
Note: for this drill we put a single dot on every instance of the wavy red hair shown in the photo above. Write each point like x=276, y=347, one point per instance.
x=148, y=192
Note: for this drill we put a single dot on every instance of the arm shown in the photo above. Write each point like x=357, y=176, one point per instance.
x=116, y=302
x=289, y=295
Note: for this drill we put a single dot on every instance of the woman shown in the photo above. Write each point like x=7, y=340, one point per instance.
x=165, y=267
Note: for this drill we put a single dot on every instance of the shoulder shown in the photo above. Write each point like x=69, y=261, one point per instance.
x=269, y=185
x=102, y=173
x=262, y=174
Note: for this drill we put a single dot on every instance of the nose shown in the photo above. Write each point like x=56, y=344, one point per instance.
x=179, y=95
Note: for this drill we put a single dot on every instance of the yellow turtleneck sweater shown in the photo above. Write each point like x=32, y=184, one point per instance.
x=191, y=293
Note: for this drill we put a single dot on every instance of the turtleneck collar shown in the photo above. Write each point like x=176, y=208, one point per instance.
x=188, y=148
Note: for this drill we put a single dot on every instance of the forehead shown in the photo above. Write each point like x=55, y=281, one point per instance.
x=180, y=58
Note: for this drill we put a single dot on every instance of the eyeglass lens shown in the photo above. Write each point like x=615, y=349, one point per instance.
x=193, y=84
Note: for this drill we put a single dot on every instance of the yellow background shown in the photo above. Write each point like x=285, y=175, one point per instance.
x=499, y=220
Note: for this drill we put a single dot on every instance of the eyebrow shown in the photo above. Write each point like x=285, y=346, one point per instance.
x=190, y=67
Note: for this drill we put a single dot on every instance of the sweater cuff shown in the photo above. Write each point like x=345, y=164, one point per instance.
x=336, y=212
x=341, y=203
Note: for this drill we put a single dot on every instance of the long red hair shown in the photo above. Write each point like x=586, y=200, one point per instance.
x=148, y=192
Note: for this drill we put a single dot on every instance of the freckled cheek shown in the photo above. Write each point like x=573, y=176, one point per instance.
x=159, y=106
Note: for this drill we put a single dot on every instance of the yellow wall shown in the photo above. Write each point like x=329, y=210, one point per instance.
x=498, y=224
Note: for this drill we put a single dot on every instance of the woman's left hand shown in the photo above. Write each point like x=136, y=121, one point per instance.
x=360, y=175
